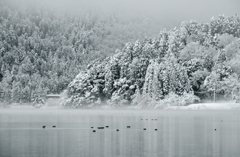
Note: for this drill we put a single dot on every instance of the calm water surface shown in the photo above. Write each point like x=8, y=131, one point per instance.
x=179, y=133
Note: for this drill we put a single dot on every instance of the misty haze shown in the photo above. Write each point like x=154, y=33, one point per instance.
x=119, y=78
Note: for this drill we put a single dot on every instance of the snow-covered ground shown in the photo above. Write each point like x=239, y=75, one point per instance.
x=207, y=106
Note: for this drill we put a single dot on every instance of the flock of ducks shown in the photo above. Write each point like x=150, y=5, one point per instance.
x=102, y=127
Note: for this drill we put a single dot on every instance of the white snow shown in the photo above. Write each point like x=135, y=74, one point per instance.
x=207, y=106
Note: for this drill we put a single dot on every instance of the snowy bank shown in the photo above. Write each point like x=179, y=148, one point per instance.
x=207, y=106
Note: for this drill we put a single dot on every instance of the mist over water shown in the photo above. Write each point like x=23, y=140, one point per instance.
x=179, y=133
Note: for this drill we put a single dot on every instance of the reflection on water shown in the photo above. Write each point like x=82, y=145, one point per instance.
x=179, y=133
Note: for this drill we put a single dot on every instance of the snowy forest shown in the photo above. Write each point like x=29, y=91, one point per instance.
x=197, y=61
x=116, y=61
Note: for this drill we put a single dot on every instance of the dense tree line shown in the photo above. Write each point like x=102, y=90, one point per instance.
x=41, y=51
x=195, y=61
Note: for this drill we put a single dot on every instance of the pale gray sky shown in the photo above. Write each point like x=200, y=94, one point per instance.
x=200, y=10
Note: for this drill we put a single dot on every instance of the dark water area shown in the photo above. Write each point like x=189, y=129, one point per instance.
x=68, y=133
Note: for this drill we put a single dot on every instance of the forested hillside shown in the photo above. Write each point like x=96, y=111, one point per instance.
x=115, y=59
x=42, y=50
x=195, y=61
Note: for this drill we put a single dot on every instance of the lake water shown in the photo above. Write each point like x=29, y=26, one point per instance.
x=179, y=133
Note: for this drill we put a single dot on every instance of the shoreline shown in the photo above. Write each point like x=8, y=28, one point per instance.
x=198, y=106
x=207, y=106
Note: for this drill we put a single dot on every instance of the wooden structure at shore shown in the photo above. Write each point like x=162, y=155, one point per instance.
x=52, y=100
x=52, y=96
